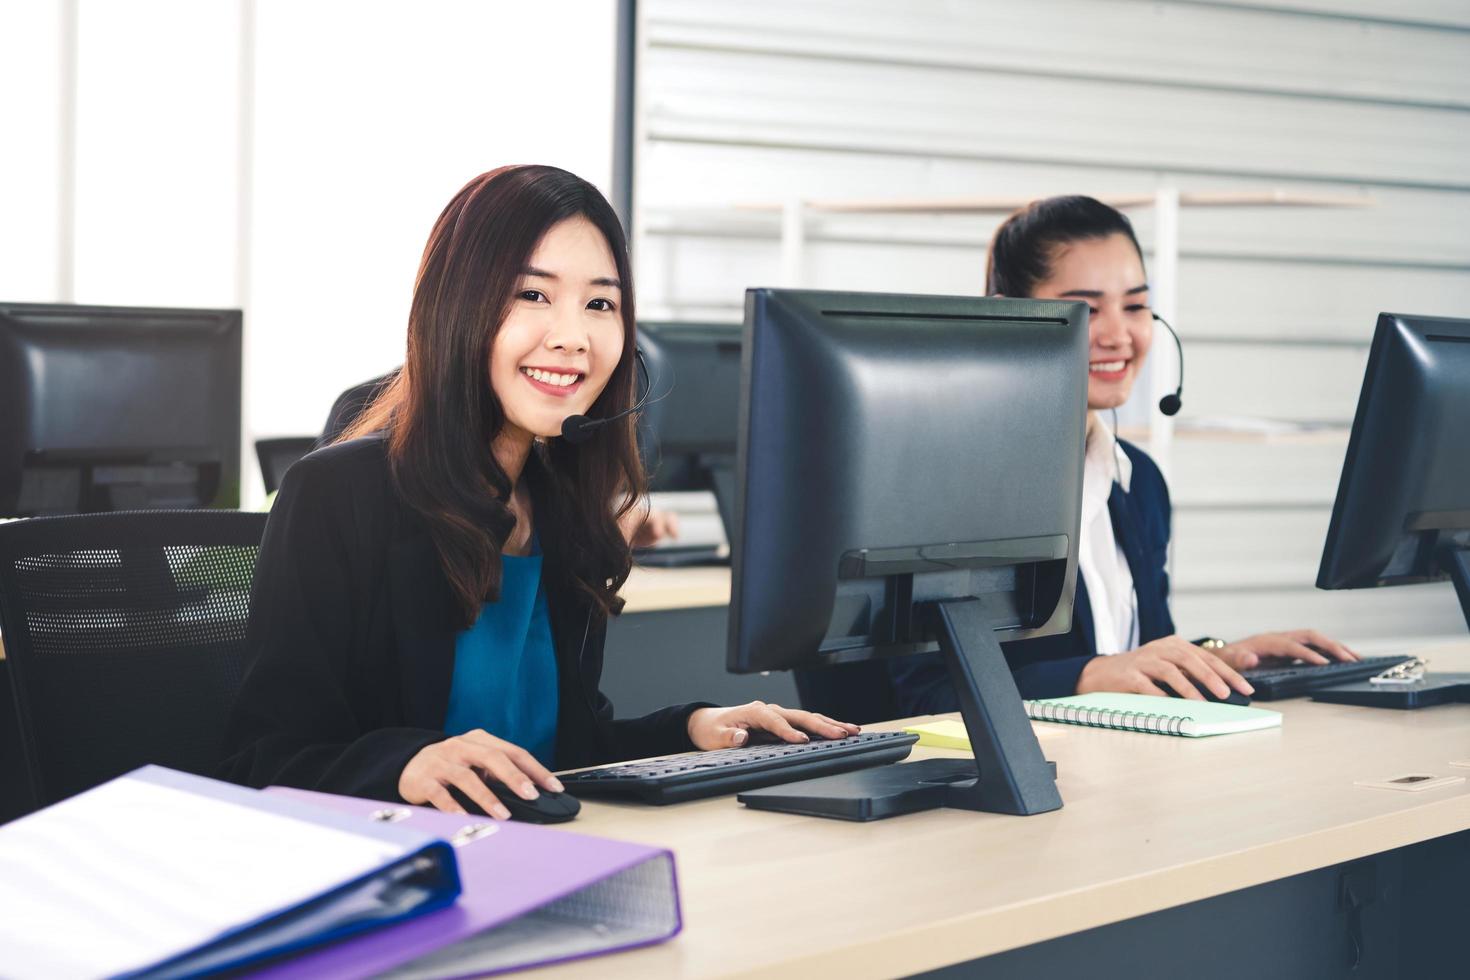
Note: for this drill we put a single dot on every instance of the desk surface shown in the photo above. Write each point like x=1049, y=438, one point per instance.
x=664, y=589
x=1150, y=822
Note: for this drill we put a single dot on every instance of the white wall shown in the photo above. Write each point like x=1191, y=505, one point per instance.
x=289, y=156
x=774, y=100
x=30, y=180
x=283, y=156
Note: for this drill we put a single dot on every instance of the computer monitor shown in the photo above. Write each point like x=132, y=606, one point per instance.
x=1402, y=513
x=115, y=408
x=909, y=479
x=688, y=428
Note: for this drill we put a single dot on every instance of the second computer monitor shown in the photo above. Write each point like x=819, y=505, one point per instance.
x=694, y=371
x=118, y=408
x=687, y=432
x=909, y=479
x=1402, y=513
x=897, y=450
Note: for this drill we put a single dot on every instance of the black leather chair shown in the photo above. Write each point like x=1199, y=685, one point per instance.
x=277, y=455
x=125, y=639
x=351, y=404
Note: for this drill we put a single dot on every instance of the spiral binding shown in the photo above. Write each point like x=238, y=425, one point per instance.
x=1127, y=721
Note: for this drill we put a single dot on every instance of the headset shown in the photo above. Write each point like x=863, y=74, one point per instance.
x=1170, y=404
x=577, y=429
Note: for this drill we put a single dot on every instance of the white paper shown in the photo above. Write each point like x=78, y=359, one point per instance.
x=131, y=872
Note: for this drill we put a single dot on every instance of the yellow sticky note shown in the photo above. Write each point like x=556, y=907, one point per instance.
x=950, y=734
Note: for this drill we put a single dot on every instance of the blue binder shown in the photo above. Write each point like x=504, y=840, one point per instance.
x=161, y=874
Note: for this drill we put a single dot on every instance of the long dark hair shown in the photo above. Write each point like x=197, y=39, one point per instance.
x=1025, y=244
x=440, y=415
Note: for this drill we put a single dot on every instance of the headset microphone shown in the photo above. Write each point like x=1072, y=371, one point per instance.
x=1170, y=404
x=577, y=429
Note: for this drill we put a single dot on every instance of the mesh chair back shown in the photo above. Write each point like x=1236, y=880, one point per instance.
x=125, y=637
x=277, y=455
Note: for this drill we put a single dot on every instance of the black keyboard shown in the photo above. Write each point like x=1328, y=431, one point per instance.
x=1294, y=680
x=695, y=775
x=680, y=557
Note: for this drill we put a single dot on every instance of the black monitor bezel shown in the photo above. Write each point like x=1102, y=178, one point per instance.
x=1390, y=351
x=881, y=305
x=224, y=323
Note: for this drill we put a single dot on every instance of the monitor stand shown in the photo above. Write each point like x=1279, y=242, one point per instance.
x=1013, y=775
x=1457, y=561
x=721, y=471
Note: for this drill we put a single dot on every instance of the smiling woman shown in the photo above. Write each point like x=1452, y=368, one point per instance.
x=564, y=333
x=518, y=274
x=432, y=592
x=1122, y=636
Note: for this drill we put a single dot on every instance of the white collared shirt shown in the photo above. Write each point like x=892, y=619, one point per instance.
x=1100, y=560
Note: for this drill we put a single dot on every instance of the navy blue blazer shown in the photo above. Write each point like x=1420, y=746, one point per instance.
x=1049, y=667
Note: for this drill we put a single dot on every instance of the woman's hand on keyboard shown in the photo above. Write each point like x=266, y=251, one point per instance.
x=1171, y=663
x=464, y=762
x=1308, y=646
x=723, y=728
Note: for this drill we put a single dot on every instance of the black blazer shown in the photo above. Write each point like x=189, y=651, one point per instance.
x=351, y=643
x=1049, y=667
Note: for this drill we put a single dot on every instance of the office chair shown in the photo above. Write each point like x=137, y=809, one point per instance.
x=125, y=639
x=351, y=404
x=277, y=455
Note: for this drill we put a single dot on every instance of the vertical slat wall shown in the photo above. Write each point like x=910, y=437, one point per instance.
x=775, y=100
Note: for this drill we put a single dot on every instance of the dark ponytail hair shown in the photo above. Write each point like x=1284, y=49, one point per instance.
x=1025, y=244
x=440, y=415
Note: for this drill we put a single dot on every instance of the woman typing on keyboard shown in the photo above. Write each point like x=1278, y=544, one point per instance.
x=1122, y=636
x=431, y=596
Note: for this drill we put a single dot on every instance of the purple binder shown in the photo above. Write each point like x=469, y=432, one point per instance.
x=531, y=896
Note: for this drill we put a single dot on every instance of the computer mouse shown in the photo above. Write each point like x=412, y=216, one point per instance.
x=1235, y=696
x=549, y=807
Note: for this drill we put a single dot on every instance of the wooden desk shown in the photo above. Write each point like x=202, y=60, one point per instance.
x=666, y=589
x=1150, y=823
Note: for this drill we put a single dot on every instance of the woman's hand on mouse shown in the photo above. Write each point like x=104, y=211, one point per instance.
x=1158, y=667
x=724, y=728
x=465, y=762
x=1308, y=646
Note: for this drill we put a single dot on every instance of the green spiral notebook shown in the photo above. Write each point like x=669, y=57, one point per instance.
x=1149, y=713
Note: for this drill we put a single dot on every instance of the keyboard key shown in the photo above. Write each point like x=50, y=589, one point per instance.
x=719, y=772
x=1294, y=680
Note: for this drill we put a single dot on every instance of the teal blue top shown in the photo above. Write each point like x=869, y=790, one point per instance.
x=505, y=678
